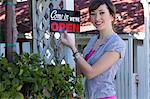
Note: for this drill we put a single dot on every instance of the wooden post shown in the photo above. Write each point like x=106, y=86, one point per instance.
x=11, y=30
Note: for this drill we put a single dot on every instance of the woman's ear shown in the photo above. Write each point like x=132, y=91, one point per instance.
x=112, y=18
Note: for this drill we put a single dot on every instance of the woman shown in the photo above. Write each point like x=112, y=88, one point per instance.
x=103, y=54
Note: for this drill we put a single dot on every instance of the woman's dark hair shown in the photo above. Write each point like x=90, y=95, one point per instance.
x=96, y=3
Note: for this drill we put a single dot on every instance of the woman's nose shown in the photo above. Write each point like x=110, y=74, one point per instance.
x=97, y=17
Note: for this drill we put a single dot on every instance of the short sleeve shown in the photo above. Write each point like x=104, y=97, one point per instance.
x=117, y=46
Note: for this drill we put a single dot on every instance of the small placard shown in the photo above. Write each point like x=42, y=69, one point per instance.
x=64, y=20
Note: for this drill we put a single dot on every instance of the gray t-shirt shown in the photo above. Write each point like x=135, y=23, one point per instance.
x=103, y=84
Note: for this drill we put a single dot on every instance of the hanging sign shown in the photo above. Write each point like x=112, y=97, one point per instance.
x=64, y=20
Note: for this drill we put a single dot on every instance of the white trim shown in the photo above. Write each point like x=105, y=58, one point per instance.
x=34, y=34
x=145, y=85
x=21, y=0
x=69, y=5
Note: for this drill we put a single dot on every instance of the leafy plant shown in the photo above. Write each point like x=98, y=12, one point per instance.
x=10, y=83
x=30, y=76
x=63, y=82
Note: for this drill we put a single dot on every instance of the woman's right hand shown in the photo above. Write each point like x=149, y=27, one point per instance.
x=67, y=40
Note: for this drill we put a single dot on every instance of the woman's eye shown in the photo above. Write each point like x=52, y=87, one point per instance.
x=92, y=14
x=101, y=13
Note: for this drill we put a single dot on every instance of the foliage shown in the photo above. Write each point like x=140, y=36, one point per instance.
x=62, y=81
x=30, y=76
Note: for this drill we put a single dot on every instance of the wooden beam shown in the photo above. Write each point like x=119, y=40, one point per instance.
x=9, y=30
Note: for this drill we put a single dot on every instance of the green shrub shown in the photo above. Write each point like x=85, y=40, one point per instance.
x=30, y=76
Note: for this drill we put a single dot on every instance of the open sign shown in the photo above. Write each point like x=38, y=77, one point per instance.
x=64, y=19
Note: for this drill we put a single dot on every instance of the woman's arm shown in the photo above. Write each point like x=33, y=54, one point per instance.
x=104, y=63
x=78, y=70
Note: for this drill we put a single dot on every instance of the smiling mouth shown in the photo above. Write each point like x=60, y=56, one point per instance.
x=99, y=23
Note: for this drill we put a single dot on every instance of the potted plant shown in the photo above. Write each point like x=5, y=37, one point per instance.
x=30, y=77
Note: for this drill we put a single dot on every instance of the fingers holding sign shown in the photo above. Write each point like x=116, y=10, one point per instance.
x=66, y=39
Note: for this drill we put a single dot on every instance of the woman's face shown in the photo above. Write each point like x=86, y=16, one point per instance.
x=101, y=18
